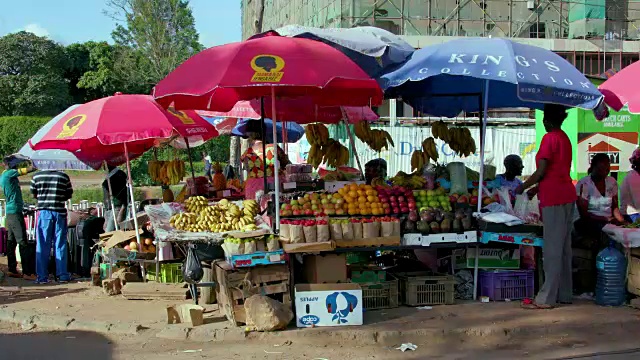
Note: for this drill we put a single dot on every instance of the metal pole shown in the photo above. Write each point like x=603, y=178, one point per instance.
x=264, y=145
x=276, y=165
x=483, y=118
x=132, y=198
x=113, y=208
x=193, y=174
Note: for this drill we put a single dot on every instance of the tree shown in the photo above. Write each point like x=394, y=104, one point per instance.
x=160, y=33
x=32, y=75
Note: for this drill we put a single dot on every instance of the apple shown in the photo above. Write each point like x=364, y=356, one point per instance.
x=387, y=211
x=463, y=199
x=474, y=200
x=286, y=213
x=401, y=199
x=297, y=212
x=474, y=192
x=339, y=212
x=294, y=202
x=314, y=207
x=392, y=199
x=487, y=200
x=308, y=212
x=306, y=206
x=330, y=211
x=404, y=209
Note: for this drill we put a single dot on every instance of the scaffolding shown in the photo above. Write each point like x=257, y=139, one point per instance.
x=554, y=19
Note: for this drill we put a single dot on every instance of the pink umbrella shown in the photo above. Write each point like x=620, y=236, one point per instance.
x=622, y=89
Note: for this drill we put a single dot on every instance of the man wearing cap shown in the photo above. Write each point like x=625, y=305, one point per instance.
x=14, y=221
x=376, y=168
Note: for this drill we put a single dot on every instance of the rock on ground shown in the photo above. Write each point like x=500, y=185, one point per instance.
x=266, y=314
x=112, y=286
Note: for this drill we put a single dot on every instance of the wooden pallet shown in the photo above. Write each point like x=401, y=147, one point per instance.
x=370, y=242
x=154, y=291
x=236, y=285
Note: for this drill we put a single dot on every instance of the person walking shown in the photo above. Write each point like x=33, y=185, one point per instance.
x=207, y=165
x=557, y=197
x=51, y=189
x=118, y=180
x=630, y=190
x=14, y=221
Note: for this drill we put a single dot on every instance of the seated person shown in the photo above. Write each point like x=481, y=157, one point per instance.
x=513, y=168
x=376, y=168
x=597, y=198
x=630, y=190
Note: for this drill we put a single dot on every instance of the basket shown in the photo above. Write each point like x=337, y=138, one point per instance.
x=428, y=290
x=500, y=285
x=170, y=273
x=380, y=296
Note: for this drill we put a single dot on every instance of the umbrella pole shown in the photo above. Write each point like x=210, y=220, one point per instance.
x=353, y=143
x=483, y=122
x=131, y=197
x=193, y=174
x=276, y=164
x=113, y=207
x=263, y=136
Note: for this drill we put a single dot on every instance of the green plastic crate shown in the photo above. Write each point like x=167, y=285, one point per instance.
x=169, y=273
x=360, y=257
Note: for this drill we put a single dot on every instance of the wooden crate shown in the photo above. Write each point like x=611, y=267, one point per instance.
x=236, y=285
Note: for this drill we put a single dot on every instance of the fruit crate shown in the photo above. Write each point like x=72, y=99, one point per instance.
x=500, y=285
x=418, y=290
x=170, y=273
x=380, y=296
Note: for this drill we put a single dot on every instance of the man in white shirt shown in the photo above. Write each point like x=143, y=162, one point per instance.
x=630, y=190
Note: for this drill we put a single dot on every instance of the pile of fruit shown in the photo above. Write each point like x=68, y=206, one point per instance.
x=353, y=199
x=323, y=149
x=221, y=217
x=166, y=172
x=436, y=199
x=436, y=221
x=375, y=138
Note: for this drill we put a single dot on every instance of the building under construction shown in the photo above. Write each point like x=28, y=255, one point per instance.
x=595, y=35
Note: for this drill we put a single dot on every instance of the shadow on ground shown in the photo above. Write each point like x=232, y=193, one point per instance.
x=58, y=345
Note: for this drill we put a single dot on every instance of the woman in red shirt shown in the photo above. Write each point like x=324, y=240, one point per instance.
x=557, y=196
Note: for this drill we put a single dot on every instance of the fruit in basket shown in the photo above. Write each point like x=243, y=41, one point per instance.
x=196, y=204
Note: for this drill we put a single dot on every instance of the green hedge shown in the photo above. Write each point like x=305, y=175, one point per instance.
x=15, y=131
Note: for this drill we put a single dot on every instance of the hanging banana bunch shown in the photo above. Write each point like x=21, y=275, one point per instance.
x=375, y=138
x=335, y=154
x=419, y=159
x=461, y=141
x=429, y=147
x=317, y=134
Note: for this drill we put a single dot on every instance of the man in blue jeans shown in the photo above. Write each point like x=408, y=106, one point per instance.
x=51, y=189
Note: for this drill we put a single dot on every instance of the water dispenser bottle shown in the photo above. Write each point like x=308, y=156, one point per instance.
x=611, y=265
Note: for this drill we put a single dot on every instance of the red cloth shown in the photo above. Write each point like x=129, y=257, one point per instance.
x=556, y=187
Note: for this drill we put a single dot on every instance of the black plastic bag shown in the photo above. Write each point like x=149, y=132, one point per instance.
x=192, y=269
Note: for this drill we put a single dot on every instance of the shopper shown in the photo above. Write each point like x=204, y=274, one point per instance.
x=207, y=165
x=630, y=190
x=14, y=220
x=513, y=168
x=51, y=189
x=118, y=181
x=557, y=197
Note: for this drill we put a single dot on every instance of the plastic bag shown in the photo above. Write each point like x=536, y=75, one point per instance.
x=250, y=247
x=458, y=177
x=192, y=270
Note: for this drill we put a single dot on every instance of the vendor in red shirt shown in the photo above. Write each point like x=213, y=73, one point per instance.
x=557, y=197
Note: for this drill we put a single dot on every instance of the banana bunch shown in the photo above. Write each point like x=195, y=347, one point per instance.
x=461, y=141
x=335, y=154
x=376, y=139
x=185, y=221
x=378, y=181
x=419, y=159
x=440, y=130
x=429, y=147
x=412, y=181
x=196, y=204
x=250, y=208
x=332, y=153
x=166, y=172
x=317, y=134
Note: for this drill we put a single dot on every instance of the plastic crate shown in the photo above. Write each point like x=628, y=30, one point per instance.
x=380, y=296
x=428, y=290
x=169, y=273
x=500, y=285
x=358, y=257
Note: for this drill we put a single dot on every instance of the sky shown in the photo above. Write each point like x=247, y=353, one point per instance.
x=69, y=21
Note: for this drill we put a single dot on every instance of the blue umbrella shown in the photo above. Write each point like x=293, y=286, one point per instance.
x=245, y=127
x=372, y=48
x=510, y=73
x=54, y=159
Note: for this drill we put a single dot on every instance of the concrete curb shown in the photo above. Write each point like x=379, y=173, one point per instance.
x=56, y=322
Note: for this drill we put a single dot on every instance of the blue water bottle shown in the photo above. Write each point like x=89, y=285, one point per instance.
x=611, y=265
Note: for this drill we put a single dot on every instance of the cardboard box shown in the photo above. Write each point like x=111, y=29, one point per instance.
x=328, y=305
x=325, y=268
x=489, y=259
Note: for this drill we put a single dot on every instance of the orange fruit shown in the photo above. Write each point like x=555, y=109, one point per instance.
x=337, y=196
x=353, y=193
x=371, y=198
x=362, y=199
x=353, y=212
x=353, y=187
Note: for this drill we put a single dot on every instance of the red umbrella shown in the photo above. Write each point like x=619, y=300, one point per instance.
x=301, y=111
x=217, y=78
x=101, y=128
x=622, y=89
